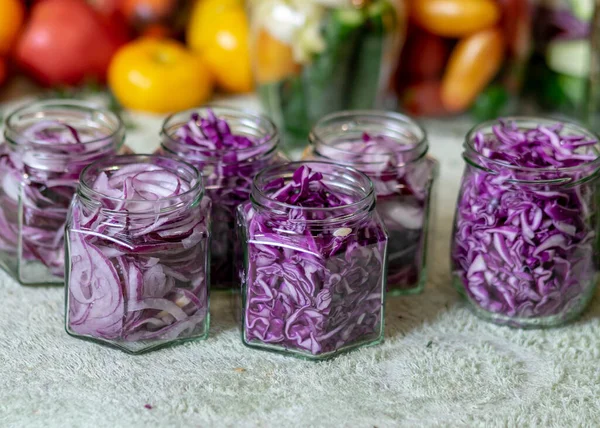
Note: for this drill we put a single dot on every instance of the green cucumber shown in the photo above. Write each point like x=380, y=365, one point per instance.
x=570, y=57
x=369, y=57
x=326, y=79
x=285, y=102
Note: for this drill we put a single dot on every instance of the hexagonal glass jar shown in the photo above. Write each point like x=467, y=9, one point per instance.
x=137, y=275
x=313, y=278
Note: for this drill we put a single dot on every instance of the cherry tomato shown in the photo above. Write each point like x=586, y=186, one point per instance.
x=455, y=18
x=424, y=99
x=424, y=56
x=473, y=64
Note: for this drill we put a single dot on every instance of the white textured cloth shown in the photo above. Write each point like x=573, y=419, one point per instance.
x=439, y=365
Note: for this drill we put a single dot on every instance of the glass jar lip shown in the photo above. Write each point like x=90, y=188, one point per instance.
x=539, y=120
x=67, y=104
x=270, y=144
x=420, y=147
x=292, y=166
x=197, y=188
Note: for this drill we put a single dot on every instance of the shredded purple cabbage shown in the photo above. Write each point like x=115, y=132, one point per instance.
x=524, y=247
x=314, y=273
x=403, y=181
x=47, y=161
x=138, y=258
x=229, y=162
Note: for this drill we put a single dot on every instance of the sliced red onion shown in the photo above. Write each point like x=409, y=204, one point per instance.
x=46, y=160
x=161, y=280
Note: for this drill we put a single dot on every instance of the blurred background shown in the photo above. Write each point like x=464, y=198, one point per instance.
x=306, y=58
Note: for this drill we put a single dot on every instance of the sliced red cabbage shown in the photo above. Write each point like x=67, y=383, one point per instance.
x=312, y=288
x=138, y=269
x=229, y=162
x=403, y=178
x=525, y=249
x=47, y=161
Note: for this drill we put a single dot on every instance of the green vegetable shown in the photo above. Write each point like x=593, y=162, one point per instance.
x=369, y=60
x=558, y=92
x=285, y=102
x=327, y=78
x=583, y=9
x=570, y=57
x=574, y=88
x=491, y=103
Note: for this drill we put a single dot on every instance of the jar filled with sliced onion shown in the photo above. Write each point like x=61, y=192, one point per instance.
x=229, y=147
x=392, y=150
x=137, y=251
x=313, y=277
x=46, y=146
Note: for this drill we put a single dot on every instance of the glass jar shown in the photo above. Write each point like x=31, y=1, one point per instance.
x=465, y=57
x=313, y=279
x=525, y=241
x=314, y=57
x=227, y=174
x=137, y=245
x=46, y=146
x=391, y=149
x=564, y=76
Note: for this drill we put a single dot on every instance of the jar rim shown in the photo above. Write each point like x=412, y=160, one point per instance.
x=68, y=104
x=366, y=198
x=420, y=148
x=269, y=144
x=539, y=120
x=123, y=160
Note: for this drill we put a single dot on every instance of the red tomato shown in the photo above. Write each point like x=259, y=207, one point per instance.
x=424, y=99
x=424, y=56
x=66, y=42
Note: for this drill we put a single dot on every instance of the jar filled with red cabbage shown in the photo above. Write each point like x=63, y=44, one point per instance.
x=137, y=250
x=525, y=242
x=46, y=146
x=391, y=149
x=313, y=277
x=229, y=147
